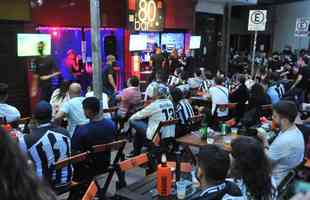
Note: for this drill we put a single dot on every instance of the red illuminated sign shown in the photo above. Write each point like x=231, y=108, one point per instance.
x=146, y=15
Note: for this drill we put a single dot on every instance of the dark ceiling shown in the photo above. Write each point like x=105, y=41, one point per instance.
x=277, y=1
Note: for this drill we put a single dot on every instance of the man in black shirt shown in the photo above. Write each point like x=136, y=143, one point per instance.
x=108, y=79
x=275, y=63
x=44, y=71
x=164, y=50
x=190, y=64
x=302, y=83
x=240, y=95
x=157, y=61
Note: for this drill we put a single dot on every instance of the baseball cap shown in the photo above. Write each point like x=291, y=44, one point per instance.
x=162, y=91
x=43, y=110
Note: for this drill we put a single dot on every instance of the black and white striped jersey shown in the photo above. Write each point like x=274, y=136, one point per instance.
x=184, y=111
x=47, y=145
x=206, y=85
x=173, y=80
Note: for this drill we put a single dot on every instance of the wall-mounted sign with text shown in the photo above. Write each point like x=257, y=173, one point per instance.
x=146, y=15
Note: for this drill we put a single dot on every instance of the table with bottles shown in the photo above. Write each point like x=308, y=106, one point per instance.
x=197, y=139
x=145, y=189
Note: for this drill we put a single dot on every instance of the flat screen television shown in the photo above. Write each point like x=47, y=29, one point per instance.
x=138, y=43
x=195, y=42
x=172, y=40
x=27, y=44
x=152, y=39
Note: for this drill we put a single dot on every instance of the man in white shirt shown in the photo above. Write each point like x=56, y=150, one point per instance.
x=219, y=96
x=287, y=150
x=7, y=112
x=161, y=109
x=73, y=109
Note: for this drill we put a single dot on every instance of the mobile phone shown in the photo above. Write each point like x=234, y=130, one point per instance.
x=302, y=187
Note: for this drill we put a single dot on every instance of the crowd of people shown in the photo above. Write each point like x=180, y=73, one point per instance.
x=72, y=123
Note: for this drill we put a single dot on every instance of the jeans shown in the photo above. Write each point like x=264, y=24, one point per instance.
x=111, y=94
x=140, y=137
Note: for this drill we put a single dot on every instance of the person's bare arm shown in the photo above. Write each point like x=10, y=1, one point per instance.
x=59, y=117
x=47, y=77
x=299, y=78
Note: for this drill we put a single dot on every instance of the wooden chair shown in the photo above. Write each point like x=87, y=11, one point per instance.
x=229, y=106
x=159, y=144
x=118, y=147
x=110, y=110
x=24, y=120
x=72, y=160
x=158, y=134
x=267, y=110
x=91, y=192
x=66, y=162
x=197, y=118
x=267, y=107
x=143, y=159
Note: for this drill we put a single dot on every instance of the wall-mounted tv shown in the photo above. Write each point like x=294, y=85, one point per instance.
x=172, y=40
x=195, y=42
x=138, y=43
x=27, y=44
x=152, y=39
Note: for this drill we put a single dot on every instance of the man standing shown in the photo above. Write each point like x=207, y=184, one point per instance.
x=73, y=109
x=157, y=61
x=46, y=145
x=287, y=151
x=109, y=85
x=302, y=83
x=45, y=70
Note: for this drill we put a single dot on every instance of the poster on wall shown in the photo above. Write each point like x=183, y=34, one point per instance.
x=302, y=27
x=146, y=15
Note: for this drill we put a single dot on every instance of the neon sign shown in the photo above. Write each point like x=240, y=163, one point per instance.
x=146, y=15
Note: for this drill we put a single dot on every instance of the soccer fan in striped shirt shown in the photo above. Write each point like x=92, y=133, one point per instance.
x=47, y=144
x=207, y=83
x=174, y=79
x=184, y=112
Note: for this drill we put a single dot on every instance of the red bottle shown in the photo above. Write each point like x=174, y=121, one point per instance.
x=164, y=178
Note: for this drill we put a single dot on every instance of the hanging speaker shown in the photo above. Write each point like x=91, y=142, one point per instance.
x=110, y=45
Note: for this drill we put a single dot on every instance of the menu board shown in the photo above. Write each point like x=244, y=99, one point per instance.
x=146, y=15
